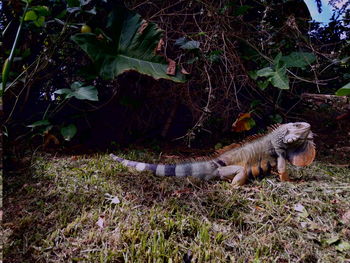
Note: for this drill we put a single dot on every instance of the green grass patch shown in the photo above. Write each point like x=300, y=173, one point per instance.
x=91, y=209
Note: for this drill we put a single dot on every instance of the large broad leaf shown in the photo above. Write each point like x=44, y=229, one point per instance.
x=68, y=132
x=298, y=59
x=344, y=91
x=131, y=45
x=279, y=78
x=78, y=91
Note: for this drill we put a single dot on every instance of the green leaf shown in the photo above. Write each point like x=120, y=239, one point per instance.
x=68, y=132
x=218, y=146
x=192, y=60
x=253, y=74
x=214, y=56
x=263, y=84
x=30, y=16
x=265, y=72
x=298, y=59
x=86, y=93
x=61, y=15
x=276, y=118
x=40, y=21
x=201, y=34
x=255, y=103
x=73, y=3
x=180, y=41
x=132, y=47
x=279, y=78
x=277, y=59
x=76, y=85
x=190, y=45
x=41, y=10
x=344, y=91
x=39, y=123
x=79, y=92
x=67, y=92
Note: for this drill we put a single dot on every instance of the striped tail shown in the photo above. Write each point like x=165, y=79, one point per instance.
x=204, y=169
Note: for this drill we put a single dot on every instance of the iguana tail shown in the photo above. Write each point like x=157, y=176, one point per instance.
x=203, y=169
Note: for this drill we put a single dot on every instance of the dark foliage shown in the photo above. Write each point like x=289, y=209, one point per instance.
x=223, y=43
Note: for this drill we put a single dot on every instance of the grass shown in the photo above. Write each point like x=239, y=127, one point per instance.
x=52, y=210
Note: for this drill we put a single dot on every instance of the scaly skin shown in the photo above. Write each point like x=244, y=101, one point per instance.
x=291, y=142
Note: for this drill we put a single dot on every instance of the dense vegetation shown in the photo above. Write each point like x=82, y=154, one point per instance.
x=72, y=66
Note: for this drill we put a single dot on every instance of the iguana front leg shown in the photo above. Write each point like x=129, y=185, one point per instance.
x=282, y=170
x=236, y=172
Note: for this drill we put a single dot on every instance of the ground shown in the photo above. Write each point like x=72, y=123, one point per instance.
x=88, y=208
x=91, y=209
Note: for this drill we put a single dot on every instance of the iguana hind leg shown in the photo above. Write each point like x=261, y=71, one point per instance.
x=235, y=172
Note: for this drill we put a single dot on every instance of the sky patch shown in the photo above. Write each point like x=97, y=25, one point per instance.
x=324, y=16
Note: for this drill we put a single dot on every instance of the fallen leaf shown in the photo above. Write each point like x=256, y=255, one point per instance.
x=244, y=122
x=101, y=221
x=112, y=199
x=171, y=69
x=301, y=209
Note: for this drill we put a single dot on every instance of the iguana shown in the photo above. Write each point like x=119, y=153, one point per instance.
x=252, y=158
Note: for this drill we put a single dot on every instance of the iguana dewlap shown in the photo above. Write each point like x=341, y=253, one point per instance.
x=290, y=141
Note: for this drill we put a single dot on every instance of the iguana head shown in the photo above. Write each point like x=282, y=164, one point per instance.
x=297, y=132
x=298, y=138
